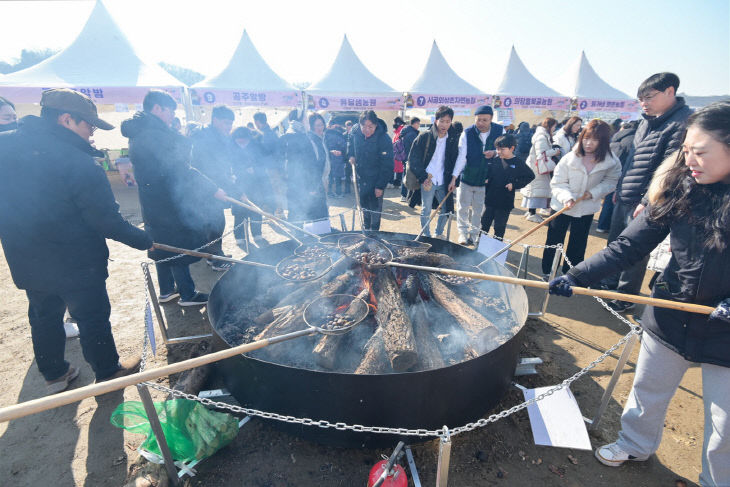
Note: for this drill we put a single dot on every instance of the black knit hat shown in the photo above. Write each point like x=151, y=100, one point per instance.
x=484, y=110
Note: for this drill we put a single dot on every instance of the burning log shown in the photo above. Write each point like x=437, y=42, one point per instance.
x=397, y=330
x=409, y=289
x=325, y=352
x=429, y=355
x=479, y=329
x=429, y=259
x=375, y=358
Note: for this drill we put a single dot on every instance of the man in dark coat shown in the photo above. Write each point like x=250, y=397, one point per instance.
x=371, y=153
x=212, y=155
x=622, y=144
x=56, y=210
x=271, y=161
x=408, y=135
x=659, y=134
x=171, y=193
x=336, y=144
x=432, y=159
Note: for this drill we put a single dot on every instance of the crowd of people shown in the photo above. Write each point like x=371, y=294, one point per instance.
x=665, y=176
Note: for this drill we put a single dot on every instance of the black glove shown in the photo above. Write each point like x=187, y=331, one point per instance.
x=722, y=312
x=562, y=286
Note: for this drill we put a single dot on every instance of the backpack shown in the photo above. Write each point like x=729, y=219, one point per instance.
x=399, y=150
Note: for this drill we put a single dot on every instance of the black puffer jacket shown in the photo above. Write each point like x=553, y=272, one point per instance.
x=57, y=209
x=373, y=157
x=694, y=275
x=213, y=155
x=422, y=151
x=171, y=192
x=621, y=144
x=655, y=139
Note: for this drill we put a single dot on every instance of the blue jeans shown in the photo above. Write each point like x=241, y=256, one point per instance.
x=427, y=204
x=171, y=274
x=90, y=308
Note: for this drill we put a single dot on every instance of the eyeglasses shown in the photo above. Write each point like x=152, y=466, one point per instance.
x=648, y=97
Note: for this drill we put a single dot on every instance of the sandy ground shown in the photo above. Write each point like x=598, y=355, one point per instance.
x=75, y=445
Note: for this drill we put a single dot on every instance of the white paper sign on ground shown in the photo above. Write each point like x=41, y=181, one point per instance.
x=489, y=246
x=319, y=227
x=556, y=420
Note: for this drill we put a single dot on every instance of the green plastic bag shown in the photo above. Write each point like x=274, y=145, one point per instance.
x=192, y=431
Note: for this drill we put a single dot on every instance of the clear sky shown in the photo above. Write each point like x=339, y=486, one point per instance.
x=625, y=41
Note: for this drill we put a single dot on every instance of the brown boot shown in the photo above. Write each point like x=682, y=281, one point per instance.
x=126, y=367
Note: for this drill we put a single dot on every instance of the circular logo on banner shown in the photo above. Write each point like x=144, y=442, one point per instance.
x=209, y=97
x=507, y=102
x=324, y=102
x=420, y=101
x=583, y=104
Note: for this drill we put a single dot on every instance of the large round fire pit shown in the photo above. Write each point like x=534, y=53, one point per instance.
x=454, y=376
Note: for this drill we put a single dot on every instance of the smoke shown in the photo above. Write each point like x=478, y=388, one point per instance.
x=251, y=293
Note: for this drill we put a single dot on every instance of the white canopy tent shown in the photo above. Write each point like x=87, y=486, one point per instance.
x=100, y=62
x=349, y=85
x=519, y=89
x=440, y=85
x=591, y=93
x=247, y=80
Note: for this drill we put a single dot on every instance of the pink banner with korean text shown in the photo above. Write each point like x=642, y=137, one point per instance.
x=417, y=100
x=99, y=95
x=594, y=105
x=244, y=98
x=531, y=102
x=353, y=102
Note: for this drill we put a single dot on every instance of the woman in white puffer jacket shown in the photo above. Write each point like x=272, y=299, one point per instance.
x=567, y=136
x=537, y=194
x=580, y=181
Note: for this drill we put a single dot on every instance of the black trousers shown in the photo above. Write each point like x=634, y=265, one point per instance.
x=90, y=308
x=499, y=217
x=579, y=228
x=371, y=208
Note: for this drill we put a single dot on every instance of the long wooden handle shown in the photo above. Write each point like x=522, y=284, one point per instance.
x=661, y=303
x=56, y=400
x=357, y=198
x=206, y=255
x=523, y=235
x=269, y=215
x=434, y=213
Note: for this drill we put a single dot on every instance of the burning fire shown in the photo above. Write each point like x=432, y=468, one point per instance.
x=367, y=278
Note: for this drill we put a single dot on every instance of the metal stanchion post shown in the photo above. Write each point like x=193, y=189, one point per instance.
x=553, y=272
x=354, y=212
x=343, y=223
x=523, y=262
x=593, y=424
x=442, y=468
x=154, y=420
x=155, y=303
x=448, y=226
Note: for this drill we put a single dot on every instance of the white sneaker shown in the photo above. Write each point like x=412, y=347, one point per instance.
x=71, y=329
x=527, y=214
x=440, y=237
x=61, y=384
x=535, y=218
x=613, y=456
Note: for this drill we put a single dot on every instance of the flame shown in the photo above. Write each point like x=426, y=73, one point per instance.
x=367, y=283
